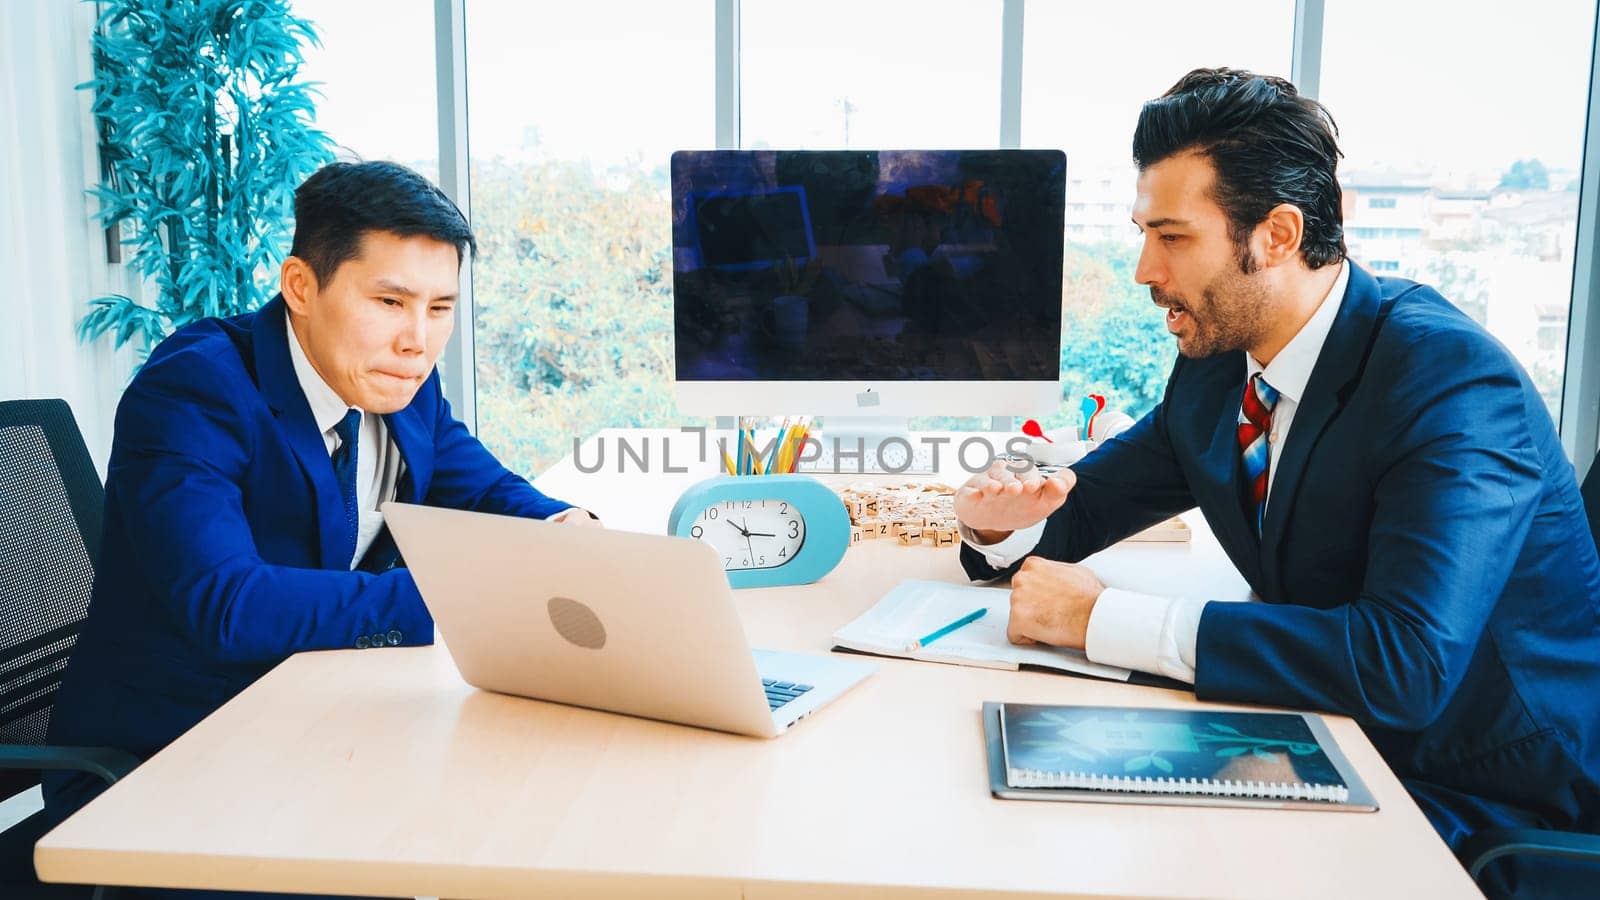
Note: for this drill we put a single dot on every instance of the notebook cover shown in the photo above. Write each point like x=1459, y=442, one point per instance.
x=1110, y=747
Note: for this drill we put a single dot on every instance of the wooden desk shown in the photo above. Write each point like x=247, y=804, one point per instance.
x=381, y=772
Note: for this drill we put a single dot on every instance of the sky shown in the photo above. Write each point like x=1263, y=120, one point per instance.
x=1412, y=84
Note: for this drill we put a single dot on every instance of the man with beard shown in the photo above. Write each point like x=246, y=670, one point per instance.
x=1380, y=470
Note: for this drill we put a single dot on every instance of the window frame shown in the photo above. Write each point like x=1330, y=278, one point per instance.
x=1580, y=400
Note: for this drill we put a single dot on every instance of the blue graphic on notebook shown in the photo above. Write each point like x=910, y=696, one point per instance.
x=1166, y=751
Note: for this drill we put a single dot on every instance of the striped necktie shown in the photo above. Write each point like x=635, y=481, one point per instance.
x=1255, y=424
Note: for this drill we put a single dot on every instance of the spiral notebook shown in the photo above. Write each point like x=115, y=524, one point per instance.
x=1110, y=754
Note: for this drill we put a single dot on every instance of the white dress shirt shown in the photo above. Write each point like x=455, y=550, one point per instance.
x=1158, y=634
x=378, y=461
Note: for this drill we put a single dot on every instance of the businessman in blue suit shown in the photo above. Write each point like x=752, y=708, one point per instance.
x=250, y=458
x=1379, y=469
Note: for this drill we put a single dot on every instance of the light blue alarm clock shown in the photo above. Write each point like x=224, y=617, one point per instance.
x=768, y=529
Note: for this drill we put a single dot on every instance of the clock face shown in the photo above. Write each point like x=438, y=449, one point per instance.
x=751, y=534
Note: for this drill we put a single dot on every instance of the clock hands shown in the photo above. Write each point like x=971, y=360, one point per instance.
x=745, y=530
x=747, y=534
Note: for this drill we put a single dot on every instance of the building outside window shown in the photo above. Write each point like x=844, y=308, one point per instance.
x=1487, y=214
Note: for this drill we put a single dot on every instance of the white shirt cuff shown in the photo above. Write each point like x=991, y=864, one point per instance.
x=1145, y=632
x=1015, y=546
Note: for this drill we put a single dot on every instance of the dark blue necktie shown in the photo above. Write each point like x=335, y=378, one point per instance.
x=344, y=471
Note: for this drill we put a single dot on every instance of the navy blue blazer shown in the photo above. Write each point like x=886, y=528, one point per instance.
x=226, y=548
x=1426, y=564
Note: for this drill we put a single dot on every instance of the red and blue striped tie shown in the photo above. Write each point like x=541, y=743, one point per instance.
x=1255, y=424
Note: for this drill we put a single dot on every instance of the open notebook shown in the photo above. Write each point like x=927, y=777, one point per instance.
x=917, y=608
x=1169, y=756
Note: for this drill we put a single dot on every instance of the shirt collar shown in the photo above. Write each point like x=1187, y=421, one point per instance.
x=327, y=409
x=1290, y=370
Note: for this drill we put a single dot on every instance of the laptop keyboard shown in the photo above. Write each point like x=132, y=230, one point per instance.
x=781, y=692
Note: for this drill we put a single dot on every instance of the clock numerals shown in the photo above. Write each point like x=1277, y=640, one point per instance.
x=751, y=534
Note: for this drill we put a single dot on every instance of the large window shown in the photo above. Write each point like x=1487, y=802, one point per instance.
x=836, y=74
x=575, y=109
x=1462, y=153
x=1085, y=77
x=376, y=79
x=1462, y=134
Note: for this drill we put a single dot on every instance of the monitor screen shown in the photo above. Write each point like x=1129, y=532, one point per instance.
x=867, y=266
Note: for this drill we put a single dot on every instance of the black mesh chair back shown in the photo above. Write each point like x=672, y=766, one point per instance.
x=50, y=515
x=50, y=511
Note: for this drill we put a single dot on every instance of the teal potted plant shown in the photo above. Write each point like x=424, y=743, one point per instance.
x=204, y=133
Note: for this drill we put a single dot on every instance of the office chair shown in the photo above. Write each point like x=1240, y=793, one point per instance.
x=1567, y=847
x=50, y=512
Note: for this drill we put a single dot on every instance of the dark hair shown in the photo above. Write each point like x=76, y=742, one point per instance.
x=343, y=201
x=1268, y=144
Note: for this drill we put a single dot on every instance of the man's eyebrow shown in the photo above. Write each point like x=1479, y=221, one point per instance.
x=1162, y=223
x=385, y=286
x=394, y=287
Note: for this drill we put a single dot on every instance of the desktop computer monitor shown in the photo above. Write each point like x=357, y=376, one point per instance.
x=867, y=283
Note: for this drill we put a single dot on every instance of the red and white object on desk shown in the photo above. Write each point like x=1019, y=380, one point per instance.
x=1058, y=447
x=1108, y=424
x=1061, y=446
x=1031, y=429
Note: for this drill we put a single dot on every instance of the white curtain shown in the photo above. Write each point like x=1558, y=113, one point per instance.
x=52, y=253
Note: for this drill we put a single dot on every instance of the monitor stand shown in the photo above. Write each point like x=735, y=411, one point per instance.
x=865, y=445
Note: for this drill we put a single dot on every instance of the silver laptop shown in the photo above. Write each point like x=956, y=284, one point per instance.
x=614, y=620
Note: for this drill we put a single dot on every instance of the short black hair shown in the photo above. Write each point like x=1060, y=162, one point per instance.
x=342, y=201
x=1268, y=144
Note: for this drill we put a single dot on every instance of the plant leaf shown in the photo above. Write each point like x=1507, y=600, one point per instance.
x=164, y=77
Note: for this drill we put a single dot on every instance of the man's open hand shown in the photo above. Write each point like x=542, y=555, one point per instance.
x=999, y=501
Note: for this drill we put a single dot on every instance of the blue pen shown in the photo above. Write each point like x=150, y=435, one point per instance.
x=967, y=619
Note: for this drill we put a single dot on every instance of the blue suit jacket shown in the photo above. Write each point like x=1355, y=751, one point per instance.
x=226, y=548
x=1426, y=565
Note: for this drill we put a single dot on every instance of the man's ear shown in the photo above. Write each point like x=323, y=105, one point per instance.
x=1283, y=229
x=298, y=284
